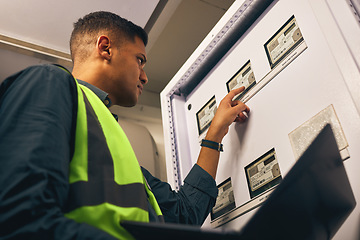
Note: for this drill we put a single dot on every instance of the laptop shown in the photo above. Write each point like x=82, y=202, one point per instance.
x=311, y=202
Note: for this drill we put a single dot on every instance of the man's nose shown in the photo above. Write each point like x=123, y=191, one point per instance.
x=143, y=77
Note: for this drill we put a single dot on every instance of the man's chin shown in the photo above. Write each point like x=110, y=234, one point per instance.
x=129, y=104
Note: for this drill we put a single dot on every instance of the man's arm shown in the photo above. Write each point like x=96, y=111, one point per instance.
x=36, y=117
x=229, y=111
x=192, y=203
x=197, y=196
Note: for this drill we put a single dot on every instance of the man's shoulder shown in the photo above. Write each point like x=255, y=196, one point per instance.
x=43, y=66
x=43, y=78
x=48, y=74
x=48, y=69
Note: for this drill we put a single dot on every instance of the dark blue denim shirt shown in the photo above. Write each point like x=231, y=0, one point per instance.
x=38, y=109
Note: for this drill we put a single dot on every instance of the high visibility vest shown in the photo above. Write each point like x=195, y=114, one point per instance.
x=106, y=182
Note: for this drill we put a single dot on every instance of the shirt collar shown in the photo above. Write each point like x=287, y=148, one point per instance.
x=104, y=96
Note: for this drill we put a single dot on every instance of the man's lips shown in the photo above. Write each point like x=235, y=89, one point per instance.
x=140, y=88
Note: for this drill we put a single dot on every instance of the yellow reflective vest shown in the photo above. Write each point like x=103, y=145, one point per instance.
x=106, y=182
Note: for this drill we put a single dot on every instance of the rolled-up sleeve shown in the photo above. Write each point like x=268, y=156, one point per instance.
x=192, y=203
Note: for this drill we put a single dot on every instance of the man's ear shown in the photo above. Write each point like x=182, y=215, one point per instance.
x=103, y=47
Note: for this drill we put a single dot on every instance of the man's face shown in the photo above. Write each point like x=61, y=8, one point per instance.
x=127, y=77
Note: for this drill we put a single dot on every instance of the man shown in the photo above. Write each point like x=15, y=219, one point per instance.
x=67, y=169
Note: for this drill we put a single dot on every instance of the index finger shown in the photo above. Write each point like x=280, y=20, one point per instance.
x=230, y=96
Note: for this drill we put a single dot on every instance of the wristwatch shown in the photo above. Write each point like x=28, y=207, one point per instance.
x=211, y=144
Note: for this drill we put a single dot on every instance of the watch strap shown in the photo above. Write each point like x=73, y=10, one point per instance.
x=211, y=144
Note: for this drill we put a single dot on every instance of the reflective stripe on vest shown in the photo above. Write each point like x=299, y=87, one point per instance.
x=106, y=182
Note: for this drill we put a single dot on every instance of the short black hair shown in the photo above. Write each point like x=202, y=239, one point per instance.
x=87, y=29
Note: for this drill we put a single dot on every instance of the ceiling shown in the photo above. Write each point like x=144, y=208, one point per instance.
x=40, y=29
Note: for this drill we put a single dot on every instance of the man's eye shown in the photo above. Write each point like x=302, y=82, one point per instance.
x=141, y=61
